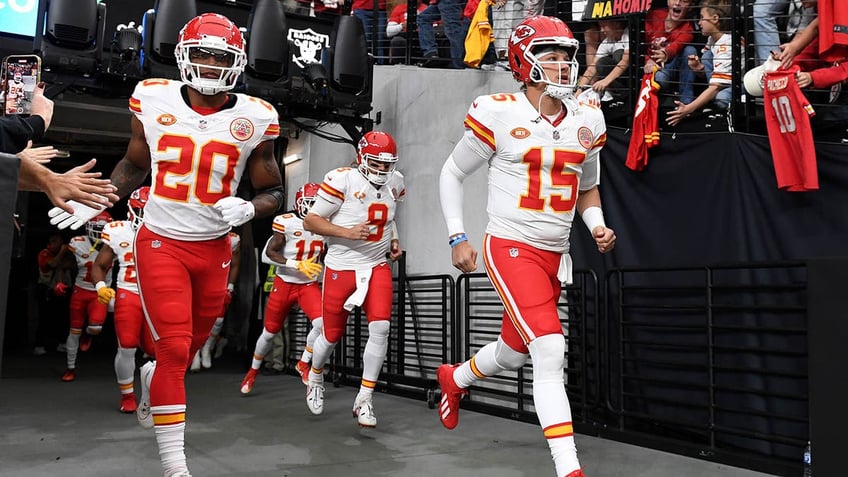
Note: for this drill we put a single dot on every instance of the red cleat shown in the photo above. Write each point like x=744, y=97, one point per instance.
x=128, y=404
x=70, y=375
x=302, y=368
x=451, y=395
x=85, y=342
x=247, y=382
x=576, y=473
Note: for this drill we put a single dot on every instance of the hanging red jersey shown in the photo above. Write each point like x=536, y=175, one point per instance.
x=788, y=114
x=645, y=134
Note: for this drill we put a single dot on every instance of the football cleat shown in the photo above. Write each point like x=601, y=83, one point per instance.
x=128, y=404
x=70, y=375
x=302, y=368
x=85, y=342
x=205, y=355
x=363, y=411
x=145, y=417
x=576, y=473
x=195, y=363
x=451, y=395
x=315, y=398
x=247, y=382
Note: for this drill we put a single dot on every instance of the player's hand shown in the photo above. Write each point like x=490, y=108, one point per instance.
x=235, y=210
x=105, y=295
x=604, y=237
x=60, y=289
x=82, y=214
x=395, y=252
x=464, y=257
x=310, y=268
x=360, y=231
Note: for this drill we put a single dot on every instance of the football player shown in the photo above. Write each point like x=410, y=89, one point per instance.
x=118, y=239
x=355, y=212
x=294, y=252
x=542, y=149
x=84, y=305
x=196, y=140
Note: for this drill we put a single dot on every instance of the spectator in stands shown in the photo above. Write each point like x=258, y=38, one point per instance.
x=714, y=64
x=396, y=30
x=611, y=59
x=364, y=11
x=506, y=15
x=667, y=32
x=16, y=131
x=766, y=31
x=450, y=12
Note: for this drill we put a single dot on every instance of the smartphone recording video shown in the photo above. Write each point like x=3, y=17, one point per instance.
x=21, y=73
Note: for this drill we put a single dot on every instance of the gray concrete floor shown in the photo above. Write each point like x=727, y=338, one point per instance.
x=52, y=428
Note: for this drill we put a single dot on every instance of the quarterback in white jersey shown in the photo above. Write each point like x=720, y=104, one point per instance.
x=294, y=252
x=542, y=149
x=118, y=246
x=84, y=305
x=195, y=139
x=355, y=211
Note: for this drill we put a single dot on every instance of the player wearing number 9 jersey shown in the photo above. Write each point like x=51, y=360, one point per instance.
x=542, y=149
x=355, y=212
x=195, y=139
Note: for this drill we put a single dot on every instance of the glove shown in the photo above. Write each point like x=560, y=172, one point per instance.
x=589, y=96
x=234, y=210
x=60, y=289
x=104, y=293
x=81, y=215
x=309, y=268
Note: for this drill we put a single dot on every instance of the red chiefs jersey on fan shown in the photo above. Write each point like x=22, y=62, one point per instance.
x=561, y=155
x=645, y=133
x=191, y=166
x=788, y=115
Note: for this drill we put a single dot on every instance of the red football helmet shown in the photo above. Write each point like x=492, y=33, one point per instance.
x=376, y=146
x=304, y=198
x=540, y=34
x=135, y=205
x=206, y=35
x=94, y=227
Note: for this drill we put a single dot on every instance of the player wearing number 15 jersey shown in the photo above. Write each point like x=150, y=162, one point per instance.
x=542, y=150
x=355, y=211
x=195, y=139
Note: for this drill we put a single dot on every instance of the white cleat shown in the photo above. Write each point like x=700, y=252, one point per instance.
x=315, y=397
x=142, y=412
x=363, y=410
x=195, y=363
x=182, y=473
x=205, y=356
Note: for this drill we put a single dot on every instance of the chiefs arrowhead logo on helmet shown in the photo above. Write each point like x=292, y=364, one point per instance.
x=522, y=32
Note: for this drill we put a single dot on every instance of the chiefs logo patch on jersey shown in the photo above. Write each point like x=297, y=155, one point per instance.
x=520, y=133
x=241, y=129
x=585, y=137
x=166, y=119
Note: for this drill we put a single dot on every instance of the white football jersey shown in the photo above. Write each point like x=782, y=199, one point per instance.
x=85, y=254
x=120, y=237
x=536, y=165
x=196, y=159
x=301, y=244
x=355, y=200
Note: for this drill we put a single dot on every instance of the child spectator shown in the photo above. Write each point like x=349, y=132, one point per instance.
x=714, y=64
x=610, y=61
x=667, y=32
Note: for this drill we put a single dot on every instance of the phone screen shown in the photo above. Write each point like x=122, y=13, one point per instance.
x=21, y=74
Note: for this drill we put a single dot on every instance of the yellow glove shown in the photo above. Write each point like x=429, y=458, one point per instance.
x=104, y=293
x=309, y=268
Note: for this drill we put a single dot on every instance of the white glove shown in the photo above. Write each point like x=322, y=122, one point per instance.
x=589, y=96
x=82, y=214
x=235, y=211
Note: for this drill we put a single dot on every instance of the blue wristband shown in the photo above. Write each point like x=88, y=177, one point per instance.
x=457, y=239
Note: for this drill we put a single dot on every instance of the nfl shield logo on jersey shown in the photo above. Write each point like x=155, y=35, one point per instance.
x=513, y=252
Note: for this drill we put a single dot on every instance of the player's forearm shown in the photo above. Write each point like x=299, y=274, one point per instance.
x=322, y=226
x=127, y=177
x=451, y=198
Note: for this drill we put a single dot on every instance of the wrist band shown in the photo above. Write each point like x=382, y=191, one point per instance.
x=593, y=217
x=99, y=285
x=457, y=239
x=231, y=286
x=290, y=263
